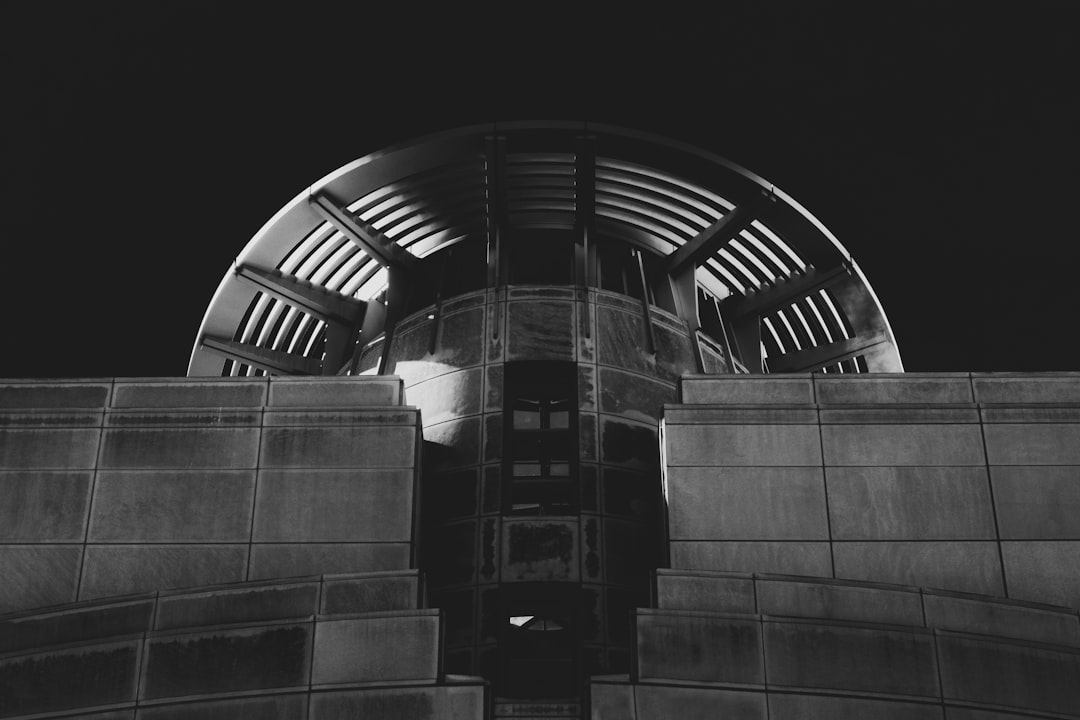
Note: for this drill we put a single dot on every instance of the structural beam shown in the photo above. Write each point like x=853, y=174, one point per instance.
x=585, y=207
x=782, y=294
x=273, y=361
x=495, y=183
x=326, y=305
x=712, y=238
x=373, y=242
x=815, y=358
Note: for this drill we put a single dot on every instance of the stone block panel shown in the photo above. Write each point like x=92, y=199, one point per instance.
x=697, y=647
x=250, y=603
x=540, y=330
x=187, y=448
x=334, y=506
x=379, y=647
x=620, y=340
x=38, y=575
x=910, y=503
x=226, y=660
x=76, y=624
x=272, y=707
x=743, y=445
x=838, y=601
x=820, y=707
x=859, y=659
x=1037, y=503
x=963, y=566
x=457, y=443
x=890, y=445
x=330, y=447
x=183, y=393
x=1003, y=619
x=611, y=701
x=448, y=396
x=376, y=592
x=54, y=395
x=124, y=569
x=454, y=702
x=43, y=506
x=537, y=550
x=1029, y=388
x=747, y=390
x=59, y=449
x=298, y=559
x=357, y=391
x=624, y=442
x=663, y=703
x=79, y=677
x=898, y=389
x=1010, y=674
x=785, y=558
x=742, y=503
x=1045, y=571
x=1032, y=444
x=713, y=593
x=172, y=506
x=633, y=396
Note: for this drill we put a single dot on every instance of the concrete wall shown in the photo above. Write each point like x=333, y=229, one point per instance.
x=961, y=482
x=771, y=646
x=110, y=487
x=339, y=646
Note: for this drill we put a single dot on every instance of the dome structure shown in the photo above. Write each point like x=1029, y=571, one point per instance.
x=750, y=271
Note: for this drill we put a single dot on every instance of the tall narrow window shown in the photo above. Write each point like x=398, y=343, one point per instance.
x=541, y=429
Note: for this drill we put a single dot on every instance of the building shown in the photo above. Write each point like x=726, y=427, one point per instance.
x=606, y=427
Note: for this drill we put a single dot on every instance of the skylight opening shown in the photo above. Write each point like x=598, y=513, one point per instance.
x=299, y=254
x=650, y=211
x=650, y=187
x=332, y=262
x=810, y=301
x=779, y=244
x=763, y=270
x=638, y=221
x=775, y=336
x=810, y=334
x=780, y=268
x=730, y=280
x=637, y=196
x=642, y=171
x=255, y=322
x=316, y=258
x=841, y=323
x=725, y=256
x=795, y=339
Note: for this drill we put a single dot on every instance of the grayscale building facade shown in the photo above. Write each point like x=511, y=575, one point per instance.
x=542, y=420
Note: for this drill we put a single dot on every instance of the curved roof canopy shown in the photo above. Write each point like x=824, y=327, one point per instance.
x=320, y=276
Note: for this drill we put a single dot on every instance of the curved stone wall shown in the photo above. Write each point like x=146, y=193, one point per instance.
x=779, y=647
x=336, y=646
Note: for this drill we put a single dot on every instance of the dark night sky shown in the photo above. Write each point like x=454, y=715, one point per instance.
x=146, y=142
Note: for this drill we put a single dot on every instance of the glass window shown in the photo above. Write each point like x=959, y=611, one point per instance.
x=541, y=447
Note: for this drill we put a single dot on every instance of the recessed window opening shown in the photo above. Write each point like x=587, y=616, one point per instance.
x=541, y=431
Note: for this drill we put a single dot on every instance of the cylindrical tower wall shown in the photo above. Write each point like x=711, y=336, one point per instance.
x=578, y=533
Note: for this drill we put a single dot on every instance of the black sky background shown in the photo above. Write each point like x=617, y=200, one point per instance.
x=145, y=143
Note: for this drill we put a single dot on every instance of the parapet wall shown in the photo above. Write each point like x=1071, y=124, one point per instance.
x=964, y=482
x=322, y=647
x=109, y=487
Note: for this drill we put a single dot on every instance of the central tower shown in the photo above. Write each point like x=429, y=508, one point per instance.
x=540, y=288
